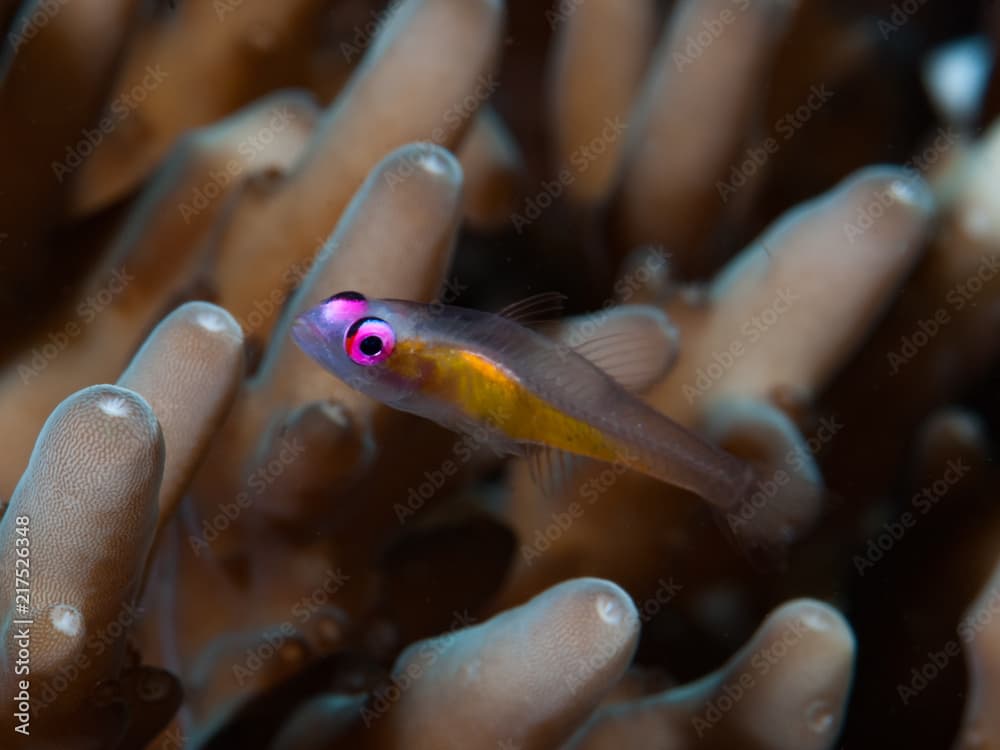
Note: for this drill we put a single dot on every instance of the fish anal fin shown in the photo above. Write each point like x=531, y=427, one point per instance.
x=551, y=468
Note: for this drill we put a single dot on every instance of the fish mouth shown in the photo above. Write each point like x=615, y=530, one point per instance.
x=306, y=334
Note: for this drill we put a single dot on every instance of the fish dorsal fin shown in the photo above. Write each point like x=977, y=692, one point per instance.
x=535, y=309
x=634, y=344
x=551, y=468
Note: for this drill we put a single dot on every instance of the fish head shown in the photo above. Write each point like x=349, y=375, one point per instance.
x=361, y=341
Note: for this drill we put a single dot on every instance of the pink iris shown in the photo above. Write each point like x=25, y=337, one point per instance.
x=369, y=341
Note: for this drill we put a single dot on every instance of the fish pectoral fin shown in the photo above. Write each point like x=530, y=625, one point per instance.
x=636, y=345
x=551, y=468
x=537, y=308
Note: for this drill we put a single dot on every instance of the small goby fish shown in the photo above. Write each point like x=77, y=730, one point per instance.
x=470, y=370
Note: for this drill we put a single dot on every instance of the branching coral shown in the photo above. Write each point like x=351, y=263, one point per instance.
x=804, y=649
x=244, y=54
x=100, y=514
x=526, y=677
x=231, y=548
x=67, y=59
x=95, y=490
x=491, y=163
x=583, y=632
x=411, y=61
x=154, y=261
x=190, y=397
x=670, y=195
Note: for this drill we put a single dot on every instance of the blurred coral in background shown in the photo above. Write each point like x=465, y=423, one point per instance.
x=230, y=548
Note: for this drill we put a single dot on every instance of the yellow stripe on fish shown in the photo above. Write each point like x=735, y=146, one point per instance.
x=489, y=393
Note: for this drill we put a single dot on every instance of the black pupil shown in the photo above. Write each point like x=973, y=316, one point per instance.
x=371, y=345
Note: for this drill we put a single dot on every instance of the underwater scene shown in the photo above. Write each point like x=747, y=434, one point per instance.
x=499, y=374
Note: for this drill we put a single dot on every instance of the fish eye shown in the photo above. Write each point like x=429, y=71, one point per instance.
x=369, y=341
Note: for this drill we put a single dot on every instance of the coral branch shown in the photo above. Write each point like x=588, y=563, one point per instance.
x=87, y=504
x=188, y=370
x=787, y=688
x=407, y=89
x=244, y=49
x=525, y=677
x=669, y=193
x=596, y=67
